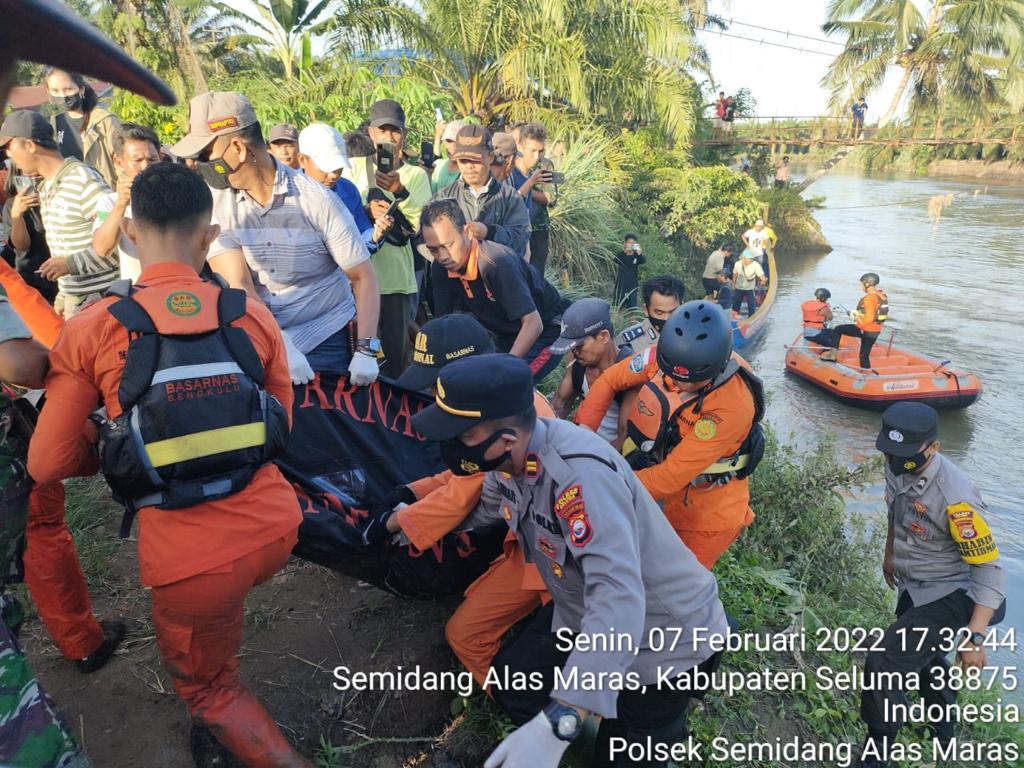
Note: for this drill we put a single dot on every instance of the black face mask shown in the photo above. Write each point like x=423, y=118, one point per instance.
x=70, y=102
x=215, y=172
x=464, y=459
x=656, y=323
x=900, y=465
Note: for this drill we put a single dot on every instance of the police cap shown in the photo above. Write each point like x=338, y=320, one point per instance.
x=906, y=427
x=476, y=389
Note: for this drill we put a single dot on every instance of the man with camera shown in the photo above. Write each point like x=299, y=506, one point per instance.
x=627, y=281
x=532, y=169
x=495, y=211
x=392, y=187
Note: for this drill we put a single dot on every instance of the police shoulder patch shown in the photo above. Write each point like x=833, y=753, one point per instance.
x=971, y=533
x=580, y=530
x=570, y=499
x=638, y=362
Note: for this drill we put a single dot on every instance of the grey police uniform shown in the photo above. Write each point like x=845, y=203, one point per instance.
x=946, y=561
x=609, y=558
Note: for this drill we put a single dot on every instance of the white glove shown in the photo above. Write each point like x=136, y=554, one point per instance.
x=298, y=365
x=533, y=745
x=363, y=370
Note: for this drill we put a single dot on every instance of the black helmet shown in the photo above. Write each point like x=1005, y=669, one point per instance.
x=696, y=342
x=823, y=294
x=870, y=278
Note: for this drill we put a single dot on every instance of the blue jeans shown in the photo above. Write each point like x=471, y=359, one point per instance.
x=333, y=354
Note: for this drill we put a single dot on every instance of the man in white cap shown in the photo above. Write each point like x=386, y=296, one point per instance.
x=322, y=157
x=287, y=242
x=758, y=239
x=446, y=173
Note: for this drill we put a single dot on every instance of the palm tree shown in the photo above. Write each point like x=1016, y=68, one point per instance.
x=952, y=56
x=286, y=25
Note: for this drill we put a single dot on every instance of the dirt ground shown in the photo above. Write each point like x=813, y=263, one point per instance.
x=299, y=626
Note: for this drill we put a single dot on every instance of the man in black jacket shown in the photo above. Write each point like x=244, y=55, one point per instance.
x=627, y=282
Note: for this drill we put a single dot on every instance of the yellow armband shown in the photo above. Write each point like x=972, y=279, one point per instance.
x=971, y=533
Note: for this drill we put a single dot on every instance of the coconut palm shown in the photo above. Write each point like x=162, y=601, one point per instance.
x=954, y=55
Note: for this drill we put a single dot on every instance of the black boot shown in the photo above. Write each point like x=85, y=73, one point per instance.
x=207, y=752
x=113, y=633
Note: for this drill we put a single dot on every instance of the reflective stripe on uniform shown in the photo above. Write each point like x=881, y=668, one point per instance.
x=195, y=371
x=207, y=443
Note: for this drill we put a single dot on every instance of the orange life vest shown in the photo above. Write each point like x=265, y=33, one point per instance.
x=811, y=310
x=881, y=314
x=653, y=430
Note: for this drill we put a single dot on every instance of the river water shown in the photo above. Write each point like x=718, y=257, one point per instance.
x=952, y=290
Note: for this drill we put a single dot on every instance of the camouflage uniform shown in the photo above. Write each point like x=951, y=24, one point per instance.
x=32, y=732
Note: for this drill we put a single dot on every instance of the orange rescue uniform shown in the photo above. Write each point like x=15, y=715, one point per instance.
x=199, y=562
x=868, y=307
x=708, y=518
x=506, y=593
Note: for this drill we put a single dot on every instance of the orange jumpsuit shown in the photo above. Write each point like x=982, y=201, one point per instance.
x=708, y=518
x=52, y=570
x=199, y=562
x=506, y=593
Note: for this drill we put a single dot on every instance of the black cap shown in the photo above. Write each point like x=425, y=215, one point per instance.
x=906, y=427
x=25, y=124
x=584, y=318
x=441, y=341
x=475, y=389
x=387, y=112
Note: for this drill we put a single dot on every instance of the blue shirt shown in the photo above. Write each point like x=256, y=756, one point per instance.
x=859, y=110
x=516, y=180
x=349, y=195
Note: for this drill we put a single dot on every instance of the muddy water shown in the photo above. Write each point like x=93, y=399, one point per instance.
x=955, y=291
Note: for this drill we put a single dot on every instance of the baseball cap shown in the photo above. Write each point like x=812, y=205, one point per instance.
x=46, y=31
x=504, y=146
x=213, y=114
x=906, y=427
x=582, y=319
x=759, y=221
x=440, y=342
x=472, y=141
x=451, y=130
x=283, y=132
x=387, y=112
x=25, y=124
x=475, y=389
x=747, y=254
x=325, y=146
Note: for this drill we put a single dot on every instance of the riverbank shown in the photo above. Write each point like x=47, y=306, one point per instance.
x=922, y=161
x=998, y=171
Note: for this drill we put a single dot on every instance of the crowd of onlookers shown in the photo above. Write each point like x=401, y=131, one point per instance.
x=734, y=279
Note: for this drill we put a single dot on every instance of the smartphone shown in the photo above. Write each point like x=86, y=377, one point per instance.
x=427, y=153
x=391, y=208
x=437, y=114
x=385, y=157
x=24, y=183
x=554, y=177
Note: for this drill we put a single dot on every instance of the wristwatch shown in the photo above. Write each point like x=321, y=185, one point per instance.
x=565, y=721
x=371, y=345
x=977, y=639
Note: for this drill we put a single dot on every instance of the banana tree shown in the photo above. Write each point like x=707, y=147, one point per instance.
x=284, y=24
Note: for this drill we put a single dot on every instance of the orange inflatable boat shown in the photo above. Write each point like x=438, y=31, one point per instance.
x=895, y=374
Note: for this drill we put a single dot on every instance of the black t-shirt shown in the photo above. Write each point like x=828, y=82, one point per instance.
x=68, y=131
x=505, y=290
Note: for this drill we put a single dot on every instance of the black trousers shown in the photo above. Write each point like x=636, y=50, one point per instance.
x=655, y=714
x=394, y=332
x=747, y=296
x=827, y=337
x=540, y=243
x=907, y=652
x=867, y=341
x=710, y=285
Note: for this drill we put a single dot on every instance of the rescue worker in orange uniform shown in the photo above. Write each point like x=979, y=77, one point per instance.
x=816, y=315
x=694, y=432
x=871, y=312
x=199, y=377
x=511, y=588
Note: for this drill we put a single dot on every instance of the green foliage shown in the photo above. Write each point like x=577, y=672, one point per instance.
x=706, y=205
x=789, y=213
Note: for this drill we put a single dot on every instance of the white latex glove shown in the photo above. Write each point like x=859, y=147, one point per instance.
x=298, y=366
x=363, y=370
x=533, y=745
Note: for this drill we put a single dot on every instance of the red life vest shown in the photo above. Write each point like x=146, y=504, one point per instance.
x=812, y=313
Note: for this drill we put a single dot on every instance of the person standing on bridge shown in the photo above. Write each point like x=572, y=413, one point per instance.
x=858, y=111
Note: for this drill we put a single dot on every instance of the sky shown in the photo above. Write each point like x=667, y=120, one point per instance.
x=784, y=82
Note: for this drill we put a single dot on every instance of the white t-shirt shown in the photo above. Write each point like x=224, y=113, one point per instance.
x=759, y=241
x=747, y=275
x=127, y=253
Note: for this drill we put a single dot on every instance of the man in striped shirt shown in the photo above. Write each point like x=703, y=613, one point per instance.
x=68, y=197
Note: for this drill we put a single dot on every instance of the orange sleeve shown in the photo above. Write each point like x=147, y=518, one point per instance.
x=266, y=336
x=442, y=510
x=57, y=449
x=42, y=321
x=731, y=414
x=625, y=374
x=426, y=485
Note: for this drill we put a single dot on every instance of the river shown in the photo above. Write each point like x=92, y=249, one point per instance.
x=951, y=288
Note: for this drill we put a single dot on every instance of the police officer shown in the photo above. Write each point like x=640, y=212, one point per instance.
x=942, y=557
x=606, y=555
x=693, y=433
x=32, y=732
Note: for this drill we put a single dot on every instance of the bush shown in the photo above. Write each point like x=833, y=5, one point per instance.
x=704, y=205
x=792, y=218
